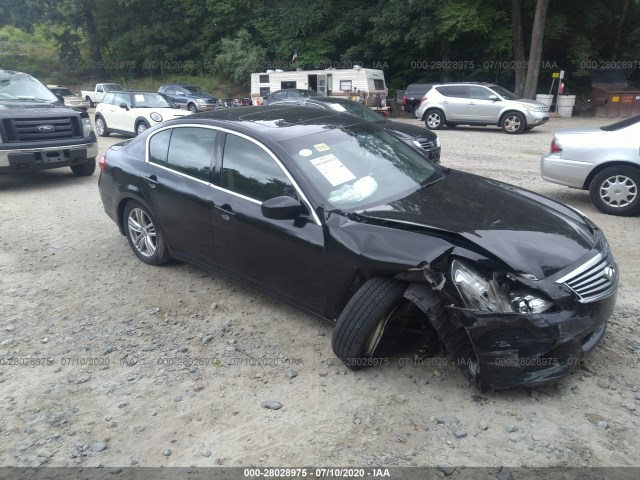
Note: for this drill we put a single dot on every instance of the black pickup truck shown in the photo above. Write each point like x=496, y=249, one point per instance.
x=37, y=132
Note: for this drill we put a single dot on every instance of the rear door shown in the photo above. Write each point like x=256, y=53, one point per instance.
x=455, y=101
x=285, y=257
x=176, y=184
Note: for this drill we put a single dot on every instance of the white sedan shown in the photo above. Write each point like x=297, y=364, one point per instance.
x=129, y=113
x=604, y=160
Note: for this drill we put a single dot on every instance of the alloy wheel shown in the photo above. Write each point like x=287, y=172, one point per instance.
x=142, y=232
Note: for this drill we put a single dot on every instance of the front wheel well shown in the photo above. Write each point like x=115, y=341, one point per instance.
x=602, y=166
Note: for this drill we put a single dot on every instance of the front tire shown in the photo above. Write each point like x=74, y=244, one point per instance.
x=615, y=190
x=192, y=108
x=101, y=127
x=85, y=169
x=141, y=127
x=144, y=235
x=363, y=322
x=513, y=123
x=434, y=119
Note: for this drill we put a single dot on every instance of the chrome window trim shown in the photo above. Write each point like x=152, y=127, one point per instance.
x=246, y=137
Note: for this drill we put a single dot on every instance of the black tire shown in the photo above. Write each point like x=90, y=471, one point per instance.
x=192, y=108
x=91, y=104
x=144, y=234
x=364, y=317
x=85, y=169
x=513, y=123
x=101, y=127
x=615, y=190
x=141, y=126
x=434, y=119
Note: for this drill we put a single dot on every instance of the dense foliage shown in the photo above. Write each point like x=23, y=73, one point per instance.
x=82, y=40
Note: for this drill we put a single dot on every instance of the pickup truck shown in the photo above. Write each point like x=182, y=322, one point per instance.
x=37, y=132
x=96, y=95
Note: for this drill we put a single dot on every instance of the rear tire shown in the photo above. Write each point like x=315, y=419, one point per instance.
x=91, y=104
x=144, y=234
x=434, y=119
x=615, y=190
x=362, y=323
x=85, y=169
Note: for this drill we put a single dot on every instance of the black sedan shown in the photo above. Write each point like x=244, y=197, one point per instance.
x=341, y=218
x=413, y=135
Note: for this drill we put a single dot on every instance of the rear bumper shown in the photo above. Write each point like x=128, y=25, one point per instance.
x=31, y=159
x=571, y=173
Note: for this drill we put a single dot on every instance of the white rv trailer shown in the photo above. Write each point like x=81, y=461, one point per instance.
x=330, y=82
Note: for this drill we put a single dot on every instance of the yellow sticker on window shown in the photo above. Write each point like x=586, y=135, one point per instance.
x=321, y=147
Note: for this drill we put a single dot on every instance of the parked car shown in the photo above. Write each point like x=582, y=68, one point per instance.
x=68, y=97
x=193, y=98
x=133, y=112
x=336, y=215
x=96, y=95
x=480, y=104
x=288, y=94
x=604, y=160
x=417, y=137
x=37, y=132
x=413, y=95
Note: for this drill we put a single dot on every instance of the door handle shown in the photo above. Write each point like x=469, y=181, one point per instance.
x=153, y=180
x=225, y=211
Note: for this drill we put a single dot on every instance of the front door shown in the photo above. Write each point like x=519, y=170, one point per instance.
x=285, y=257
x=480, y=107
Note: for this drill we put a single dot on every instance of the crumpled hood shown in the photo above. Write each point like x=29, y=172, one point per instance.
x=530, y=233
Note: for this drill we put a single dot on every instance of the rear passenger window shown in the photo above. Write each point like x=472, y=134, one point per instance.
x=249, y=170
x=186, y=150
x=460, y=91
x=190, y=151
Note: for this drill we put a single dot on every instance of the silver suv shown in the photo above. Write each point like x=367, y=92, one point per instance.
x=483, y=104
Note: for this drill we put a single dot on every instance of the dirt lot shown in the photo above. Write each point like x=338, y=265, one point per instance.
x=107, y=361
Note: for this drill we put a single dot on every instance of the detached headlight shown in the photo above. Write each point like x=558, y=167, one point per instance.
x=485, y=295
x=86, y=127
x=156, y=117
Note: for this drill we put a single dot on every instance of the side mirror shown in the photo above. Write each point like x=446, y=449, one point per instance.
x=124, y=105
x=282, y=208
x=493, y=97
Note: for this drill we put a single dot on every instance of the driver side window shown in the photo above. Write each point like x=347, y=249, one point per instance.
x=249, y=170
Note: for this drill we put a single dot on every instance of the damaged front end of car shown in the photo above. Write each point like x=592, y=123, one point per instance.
x=524, y=331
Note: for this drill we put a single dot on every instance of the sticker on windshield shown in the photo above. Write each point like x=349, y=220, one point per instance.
x=139, y=98
x=305, y=152
x=321, y=147
x=332, y=169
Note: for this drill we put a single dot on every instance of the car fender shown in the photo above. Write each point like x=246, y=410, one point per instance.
x=601, y=166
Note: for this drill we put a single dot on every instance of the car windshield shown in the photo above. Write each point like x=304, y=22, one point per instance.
x=152, y=100
x=627, y=122
x=196, y=90
x=20, y=86
x=65, y=92
x=360, y=166
x=112, y=87
x=354, y=109
x=504, y=93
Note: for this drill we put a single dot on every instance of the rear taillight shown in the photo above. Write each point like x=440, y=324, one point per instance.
x=404, y=100
x=102, y=161
x=423, y=100
x=555, y=146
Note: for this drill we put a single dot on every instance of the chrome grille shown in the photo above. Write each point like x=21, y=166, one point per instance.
x=33, y=129
x=594, y=279
x=427, y=144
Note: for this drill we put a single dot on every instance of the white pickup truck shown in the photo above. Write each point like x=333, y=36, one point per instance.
x=95, y=96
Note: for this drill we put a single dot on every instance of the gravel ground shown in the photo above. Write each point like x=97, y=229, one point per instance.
x=105, y=361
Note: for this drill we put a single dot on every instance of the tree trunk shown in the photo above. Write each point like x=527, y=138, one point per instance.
x=535, y=54
x=518, y=46
x=92, y=36
x=445, y=52
x=619, y=30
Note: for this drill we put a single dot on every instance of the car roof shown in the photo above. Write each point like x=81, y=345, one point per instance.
x=277, y=122
x=484, y=84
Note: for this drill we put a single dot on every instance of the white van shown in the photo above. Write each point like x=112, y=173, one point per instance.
x=330, y=82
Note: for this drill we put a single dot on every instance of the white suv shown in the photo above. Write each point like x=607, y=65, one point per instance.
x=133, y=112
x=482, y=104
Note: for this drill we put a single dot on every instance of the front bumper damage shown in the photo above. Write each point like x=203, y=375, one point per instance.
x=532, y=349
